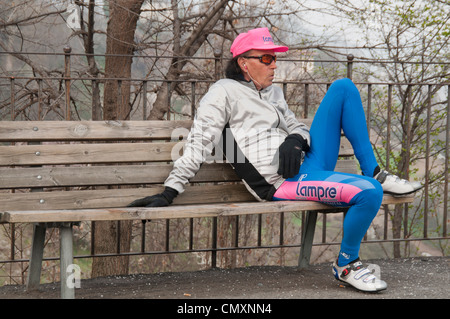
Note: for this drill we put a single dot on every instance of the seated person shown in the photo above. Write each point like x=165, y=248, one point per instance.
x=280, y=158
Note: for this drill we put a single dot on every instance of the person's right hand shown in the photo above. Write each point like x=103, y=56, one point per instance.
x=158, y=200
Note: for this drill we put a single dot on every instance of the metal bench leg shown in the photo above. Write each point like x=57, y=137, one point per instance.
x=307, y=240
x=66, y=256
x=37, y=252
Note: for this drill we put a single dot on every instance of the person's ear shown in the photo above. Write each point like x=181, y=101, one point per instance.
x=242, y=64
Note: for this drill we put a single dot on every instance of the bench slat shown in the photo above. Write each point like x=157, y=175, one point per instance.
x=187, y=211
x=55, y=154
x=62, y=154
x=153, y=173
x=23, y=131
x=346, y=148
x=107, y=198
x=98, y=198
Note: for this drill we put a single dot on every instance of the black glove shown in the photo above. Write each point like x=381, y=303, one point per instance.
x=163, y=199
x=290, y=155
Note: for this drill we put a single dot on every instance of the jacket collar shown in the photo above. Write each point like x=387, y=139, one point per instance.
x=251, y=85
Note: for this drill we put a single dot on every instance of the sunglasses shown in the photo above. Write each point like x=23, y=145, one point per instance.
x=267, y=59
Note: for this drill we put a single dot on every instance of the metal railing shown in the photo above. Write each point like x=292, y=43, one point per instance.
x=305, y=107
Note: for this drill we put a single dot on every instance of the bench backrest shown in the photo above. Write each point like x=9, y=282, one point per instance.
x=98, y=164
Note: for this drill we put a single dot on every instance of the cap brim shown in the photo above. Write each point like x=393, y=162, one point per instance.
x=276, y=48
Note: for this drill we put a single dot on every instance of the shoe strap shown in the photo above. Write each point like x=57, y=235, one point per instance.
x=381, y=176
x=363, y=272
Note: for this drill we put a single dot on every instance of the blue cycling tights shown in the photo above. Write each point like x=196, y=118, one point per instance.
x=341, y=108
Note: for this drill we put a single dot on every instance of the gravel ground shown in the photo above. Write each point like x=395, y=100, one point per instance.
x=411, y=278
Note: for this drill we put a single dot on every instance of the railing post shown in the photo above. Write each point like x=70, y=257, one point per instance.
x=169, y=98
x=13, y=98
x=214, y=243
x=39, y=99
x=350, y=58
x=192, y=99
x=217, y=68
x=369, y=106
x=144, y=100
x=388, y=127
x=67, y=51
x=306, y=101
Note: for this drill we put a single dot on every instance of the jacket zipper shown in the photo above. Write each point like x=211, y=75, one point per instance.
x=274, y=108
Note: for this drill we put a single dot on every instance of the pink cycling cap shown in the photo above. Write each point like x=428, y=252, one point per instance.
x=256, y=39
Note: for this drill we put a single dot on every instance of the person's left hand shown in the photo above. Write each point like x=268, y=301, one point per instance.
x=290, y=155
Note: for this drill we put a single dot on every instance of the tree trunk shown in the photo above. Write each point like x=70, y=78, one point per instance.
x=124, y=15
x=123, y=18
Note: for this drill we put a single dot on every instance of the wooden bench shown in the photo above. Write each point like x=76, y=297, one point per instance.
x=50, y=170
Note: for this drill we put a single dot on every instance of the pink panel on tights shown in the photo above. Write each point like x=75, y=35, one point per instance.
x=326, y=192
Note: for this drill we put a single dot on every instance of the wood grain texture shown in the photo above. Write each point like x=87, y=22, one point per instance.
x=24, y=131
